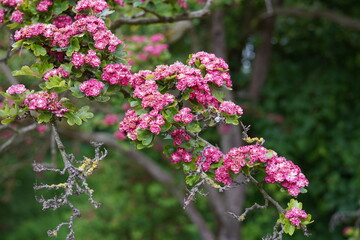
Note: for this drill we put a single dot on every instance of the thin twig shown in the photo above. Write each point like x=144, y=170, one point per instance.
x=164, y=19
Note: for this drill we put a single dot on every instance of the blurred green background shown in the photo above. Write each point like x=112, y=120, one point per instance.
x=307, y=111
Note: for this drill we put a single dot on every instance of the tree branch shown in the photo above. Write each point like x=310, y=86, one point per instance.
x=330, y=15
x=155, y=171
x=164, y=19
x=16, y=134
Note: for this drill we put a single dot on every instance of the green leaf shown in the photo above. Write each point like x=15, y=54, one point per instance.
x=42, y=68
x=232, y=119
x=25, y=70
x=192, y=179
x=72, y=119
x=84, y=113
x=193, y=127
x=102, y=98
x=76, y=91
x=219, y=95
x=60, y=6
x=7, y=120
x=289, y=229
x=17, y=44
x=168, y=150
x=38, y=49
x=74, y=46
x=44, y=117
x=145, y=136
x=55, y=82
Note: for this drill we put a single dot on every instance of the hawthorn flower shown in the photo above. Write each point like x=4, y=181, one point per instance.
x=44, y=5
x=184, y=116
x=17, y=16
x=295, y=215
x=92, y=87
x=16, y=89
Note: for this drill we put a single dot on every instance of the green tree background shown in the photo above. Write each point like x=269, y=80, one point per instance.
x=306, y=110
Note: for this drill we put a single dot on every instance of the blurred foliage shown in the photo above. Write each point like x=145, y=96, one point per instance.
x=308, y=112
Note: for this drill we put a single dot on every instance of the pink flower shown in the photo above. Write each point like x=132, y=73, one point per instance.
x=116, y=74
x=295, y=215
x=180, y=154
x=184, y=116
x=45, y=101
x=230, y=108
x=2, y=13
x=44, y=5
x=223, y=175
x=182, y=3
x=41, y=128
x=16, y=89
x=110, y=119
x=62, y=21
x=17, y=16
x=92, y=87
x=55, y=72
x=119, y=135
x=95, y=5
x=157, y=37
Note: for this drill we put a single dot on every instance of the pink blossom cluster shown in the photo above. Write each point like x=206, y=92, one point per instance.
x=116, y=74
x=147, y=91
x=182, y=3
x=157, y=37
x=180, y=154
x=295, y=215
x=79, y=59
x=223, y=175
x=209, y=155
x=216, y=68
x=17, y=16
x=184, y=116
x=95, y=5
x=60, y=36
x=155, y=49
x=280, y=170
x=237, y=158
x=110, y=119
x=11, y=3
x=119, y=135
x=230, y=108
x=2, y=13
x=152, y=121
x=179, y=135
x=45, y=101
x=16, y=89
x=188, y=78
x=56, y=72
x=62, y=21
x=44, y=5
x=129, y=124
x=92, y=87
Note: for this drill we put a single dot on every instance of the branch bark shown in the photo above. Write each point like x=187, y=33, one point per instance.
x=164, y=19
x=155, y=171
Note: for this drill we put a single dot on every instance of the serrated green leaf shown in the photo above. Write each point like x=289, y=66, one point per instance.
x=17, y=44
x=74, y=46
x=232, y=119
x=219, y=95
x=25, y=70
x=38, y=49
x=7, y=120
x=60, y=6
x=193, y=127
x=289, y=229
x=42, y=68
x=44, y=117
x=192, y=179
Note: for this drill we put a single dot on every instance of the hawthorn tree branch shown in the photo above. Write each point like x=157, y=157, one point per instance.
x=330, y=15
x=155, y=171
x=163, y=19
